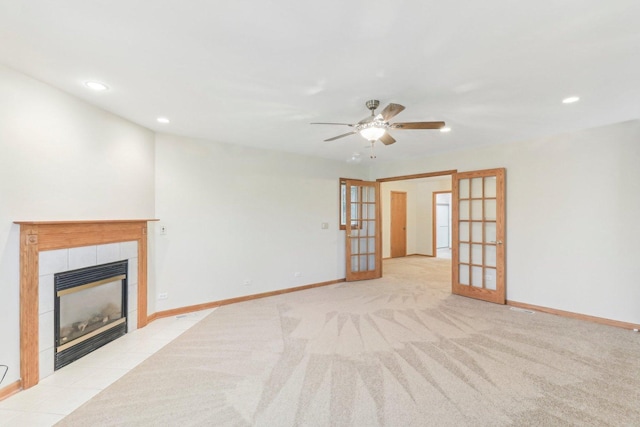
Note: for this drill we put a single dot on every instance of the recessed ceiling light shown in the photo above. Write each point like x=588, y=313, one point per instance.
x=571, y=100
x=445, y=130
x=97, y=86
x=163, y=120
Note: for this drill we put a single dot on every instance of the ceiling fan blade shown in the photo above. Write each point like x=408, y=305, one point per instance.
x=340, y=136
x=330, y=123
x=387, y=139
x=418, y=125
x=391, y=111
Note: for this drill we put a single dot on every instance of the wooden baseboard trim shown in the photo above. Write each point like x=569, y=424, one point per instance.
x=408, y=255
x=572, y=315
x=152, y=317
x=10, y=390
x=213, y=304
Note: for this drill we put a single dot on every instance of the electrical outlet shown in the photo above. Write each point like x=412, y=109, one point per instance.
x=163, y=295
x=324, y=225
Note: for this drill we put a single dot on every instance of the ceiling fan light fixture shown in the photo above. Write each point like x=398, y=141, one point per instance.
x=372, y=133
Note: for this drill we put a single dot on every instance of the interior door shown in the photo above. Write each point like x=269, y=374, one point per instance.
x=398, y=224
x=364, y=249
x=479, y=235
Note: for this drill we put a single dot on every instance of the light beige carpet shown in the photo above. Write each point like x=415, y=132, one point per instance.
x=398, y=351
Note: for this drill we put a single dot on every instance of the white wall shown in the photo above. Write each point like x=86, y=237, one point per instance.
x=572, y=217
x=60, y=159
x=234, y=214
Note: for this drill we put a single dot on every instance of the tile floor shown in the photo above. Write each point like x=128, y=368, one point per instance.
x=61, y=393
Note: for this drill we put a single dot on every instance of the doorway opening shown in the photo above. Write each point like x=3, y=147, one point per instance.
x=442, y=223
x=408, y=213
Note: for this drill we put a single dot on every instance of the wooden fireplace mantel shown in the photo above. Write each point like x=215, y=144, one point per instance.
x=37, y=236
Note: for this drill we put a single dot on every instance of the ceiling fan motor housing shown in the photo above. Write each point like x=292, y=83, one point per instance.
x=372, y=104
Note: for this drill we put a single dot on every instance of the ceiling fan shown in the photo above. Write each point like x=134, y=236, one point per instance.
x=375, y=127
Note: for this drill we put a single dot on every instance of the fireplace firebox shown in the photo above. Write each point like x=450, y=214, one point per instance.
x=90, y=309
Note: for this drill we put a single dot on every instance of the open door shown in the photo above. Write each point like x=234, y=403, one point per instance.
x=479, y=235
x=364, y=249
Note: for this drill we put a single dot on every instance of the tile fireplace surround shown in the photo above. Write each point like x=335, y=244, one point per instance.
x=76, y=240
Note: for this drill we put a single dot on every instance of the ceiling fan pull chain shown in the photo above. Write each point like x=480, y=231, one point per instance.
x=373, y=151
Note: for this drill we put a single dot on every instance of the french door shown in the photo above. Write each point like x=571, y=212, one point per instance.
x=364, y=248
x=478, y=252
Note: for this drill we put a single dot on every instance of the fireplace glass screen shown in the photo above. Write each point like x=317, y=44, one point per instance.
x=90, y=309
x=86, y=310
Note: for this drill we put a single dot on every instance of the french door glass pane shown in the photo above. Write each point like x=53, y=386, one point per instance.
x=355, y=267
x=355, y=213
x=476, y=232
x=372, y=229
x=476, y=188
x=463, y=275
x=464, y=231
x=476, y=254
x=490, y=255
x=464, y=209
x=476, y=209
x=490, y=186
x=464, y=253
x=371, y=214
x=354, y=194
x=490, y=209
x=490, y=232
x=490, y=279
x=476, y=277
x=368, y=194
x=363, y=245
x=464, y=188
x=363, y=263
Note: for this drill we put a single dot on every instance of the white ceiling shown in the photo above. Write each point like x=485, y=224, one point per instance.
x=258, y=72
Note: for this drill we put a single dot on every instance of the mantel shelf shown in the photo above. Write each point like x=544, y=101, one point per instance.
x=97, y=221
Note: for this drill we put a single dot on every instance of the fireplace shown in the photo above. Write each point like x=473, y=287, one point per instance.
x=90, y=309
x=61, y=238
